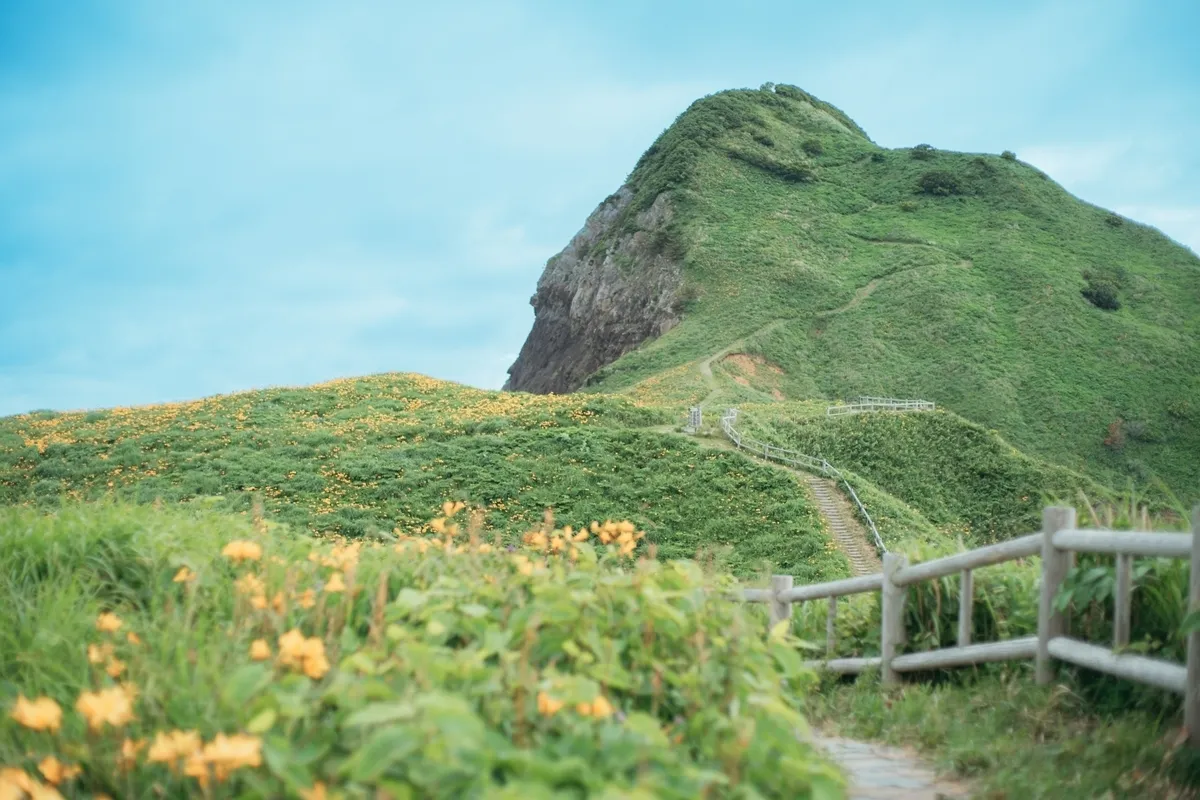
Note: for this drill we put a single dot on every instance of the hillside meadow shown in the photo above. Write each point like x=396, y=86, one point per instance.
x=365, y=457
x=171, y=652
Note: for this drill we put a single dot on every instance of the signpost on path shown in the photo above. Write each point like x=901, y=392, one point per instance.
x=694, y=420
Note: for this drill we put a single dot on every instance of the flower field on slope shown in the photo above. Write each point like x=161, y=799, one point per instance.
x=365, y=456
x=149, y=652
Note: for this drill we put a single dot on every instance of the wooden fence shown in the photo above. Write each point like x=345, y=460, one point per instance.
x=1057, y=543
x=864, y=405
x=797, y=459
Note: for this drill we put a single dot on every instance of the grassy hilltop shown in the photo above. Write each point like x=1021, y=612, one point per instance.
x=956, y=277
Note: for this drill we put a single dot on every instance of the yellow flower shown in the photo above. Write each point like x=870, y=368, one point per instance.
x=42, y=714
x=132, y=638
x=484, y=548
x=194, y=766
x=260, y=650
x=242, y=550
x=601, y=708
x=308, y=599
x=15, y=784
x=171, y=746
x=98, y=653
x=250, y=584
x=306, y=655
x=108, y=622
x=259, y=601
x=317, y=792
x=547, y=705
x=227, y=753
x=184, y=575
x=129, y=752
x=55, y=771
x=115, y=668
x=279, y=603
x=335, y=584
x=105, y=707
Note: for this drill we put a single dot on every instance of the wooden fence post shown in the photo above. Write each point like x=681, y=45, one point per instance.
x=1055, y=563
x=1123, y=601
x=891, y=635
x=966, y=607
x=780, y=609
x=1191, y=702
x=830, y=629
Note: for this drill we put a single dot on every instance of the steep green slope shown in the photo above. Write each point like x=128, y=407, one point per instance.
x=962, y=478
x=950, y=276
x=373, y=454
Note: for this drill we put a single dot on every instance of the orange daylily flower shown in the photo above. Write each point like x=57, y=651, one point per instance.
x=41, y=714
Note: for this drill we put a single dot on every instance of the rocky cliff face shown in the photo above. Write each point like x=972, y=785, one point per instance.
x=602, y=296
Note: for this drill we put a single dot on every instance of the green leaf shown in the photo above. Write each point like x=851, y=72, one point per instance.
x=387, y=746
x=474, y=610
x=244, y=684
x=277, y=752
x=379, y=713
x=262, y=721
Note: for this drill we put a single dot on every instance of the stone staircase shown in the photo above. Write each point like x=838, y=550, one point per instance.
x=844, y=527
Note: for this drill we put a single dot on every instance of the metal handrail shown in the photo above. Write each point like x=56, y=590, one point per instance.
x=864, y=405
x=770, y=451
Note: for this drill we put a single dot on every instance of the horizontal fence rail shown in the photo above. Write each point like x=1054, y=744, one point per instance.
x=1055, y=543
x=795, y=458
x=865, y=405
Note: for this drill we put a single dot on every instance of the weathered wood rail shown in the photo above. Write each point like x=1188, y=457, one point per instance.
x=797, y=459
x=1056, y=543
x=865, y=405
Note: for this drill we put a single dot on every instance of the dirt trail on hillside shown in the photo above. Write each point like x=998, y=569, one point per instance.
x=844, y=528
x=705, y=366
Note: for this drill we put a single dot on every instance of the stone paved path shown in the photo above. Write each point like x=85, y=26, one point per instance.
x=879, y=772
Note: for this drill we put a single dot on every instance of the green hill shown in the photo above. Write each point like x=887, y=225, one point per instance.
x=368, y=456
x=969, y=279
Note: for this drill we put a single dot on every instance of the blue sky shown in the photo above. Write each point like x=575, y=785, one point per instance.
x=202, y=197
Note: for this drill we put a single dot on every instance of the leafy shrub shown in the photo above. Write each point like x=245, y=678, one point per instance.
x=1102, y=294
x=439, y=666
x=1009, y=155
x=878, y=157
x=922, y=152
x=1113, y=221
x=686, y=298
x=939, y=182
x=813, y=147
x=908, y=206
x=763, y=139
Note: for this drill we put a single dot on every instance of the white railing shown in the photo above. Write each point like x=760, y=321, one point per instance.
x=1056, y=542
x=806, y=462
x=864, y=405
